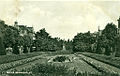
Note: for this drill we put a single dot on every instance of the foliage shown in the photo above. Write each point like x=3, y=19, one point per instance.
x=83, y=41
x=110, y=31
x=60, y=59
x=68, y=44
x=44, y=42
x=2, y=48
x=101, y=43
x=10, y=36
x=104, y=43
x=109, y=40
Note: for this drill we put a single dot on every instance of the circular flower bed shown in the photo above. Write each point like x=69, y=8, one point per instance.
x=61, y=59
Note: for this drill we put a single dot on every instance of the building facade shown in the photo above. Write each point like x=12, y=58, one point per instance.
x=24, y=30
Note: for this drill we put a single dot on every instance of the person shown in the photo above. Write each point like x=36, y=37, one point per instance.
x=20, y=49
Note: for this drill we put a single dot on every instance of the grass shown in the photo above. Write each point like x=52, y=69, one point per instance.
x=10, y=58
x=114, y=61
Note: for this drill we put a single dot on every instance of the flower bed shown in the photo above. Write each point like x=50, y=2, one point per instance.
x=102, y=67
x=48, y=69
x=43, y=68
x=114, y=61
x=9, y=58
x=17, y=63
x=60, y=59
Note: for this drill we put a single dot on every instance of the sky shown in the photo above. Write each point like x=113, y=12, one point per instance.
x=61, y=18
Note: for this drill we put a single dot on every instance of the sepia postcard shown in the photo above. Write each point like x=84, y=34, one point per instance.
x=59, y=37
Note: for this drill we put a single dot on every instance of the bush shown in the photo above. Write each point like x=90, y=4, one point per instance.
x=60, y=59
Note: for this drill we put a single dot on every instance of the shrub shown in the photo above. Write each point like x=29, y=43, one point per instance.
x=60, y=59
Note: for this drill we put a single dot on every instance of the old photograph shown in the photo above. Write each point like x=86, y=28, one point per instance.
x=59, y=37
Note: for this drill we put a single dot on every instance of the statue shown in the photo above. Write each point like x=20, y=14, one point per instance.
x=64, y=47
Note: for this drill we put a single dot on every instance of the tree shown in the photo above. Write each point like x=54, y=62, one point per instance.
x=2, y=28
x=69, y=45
x=42, y=33
x=83, y=42
x=101, y=44
x=2, y=49
x=11, y=38
x=110, y=32
x=27, y=43
x=44, y=42
x=10, y=35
